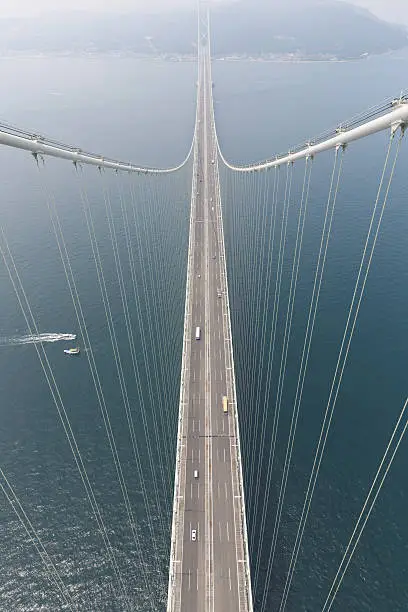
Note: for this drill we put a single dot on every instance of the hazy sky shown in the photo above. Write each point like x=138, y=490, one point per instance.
x=393, y=10
x=21, y=7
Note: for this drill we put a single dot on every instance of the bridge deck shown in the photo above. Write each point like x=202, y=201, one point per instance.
x=210, y=574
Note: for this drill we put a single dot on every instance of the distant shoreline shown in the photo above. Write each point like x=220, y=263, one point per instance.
x=289, y=58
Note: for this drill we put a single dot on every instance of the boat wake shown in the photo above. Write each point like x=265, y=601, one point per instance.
x=36, y=339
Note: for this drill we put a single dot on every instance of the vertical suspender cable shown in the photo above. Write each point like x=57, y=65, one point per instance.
x=364, y=268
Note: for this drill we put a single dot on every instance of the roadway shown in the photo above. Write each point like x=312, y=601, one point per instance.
x=210, y=571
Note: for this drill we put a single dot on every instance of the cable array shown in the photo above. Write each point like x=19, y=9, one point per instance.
x=32, y=327
x=53, y=576
x=139, y=261
x=265, y=217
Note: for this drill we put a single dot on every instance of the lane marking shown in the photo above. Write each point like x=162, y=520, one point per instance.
x=207, y=345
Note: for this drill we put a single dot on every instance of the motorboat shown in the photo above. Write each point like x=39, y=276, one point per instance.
x=72, y=351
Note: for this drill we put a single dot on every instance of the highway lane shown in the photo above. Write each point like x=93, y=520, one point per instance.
x=208, y=568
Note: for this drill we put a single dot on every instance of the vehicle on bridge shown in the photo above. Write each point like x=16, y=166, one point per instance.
x=225, y=403
x=193, y=535
x=198, y=333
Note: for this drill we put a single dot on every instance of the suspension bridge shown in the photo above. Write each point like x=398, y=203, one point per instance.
x=219, y=539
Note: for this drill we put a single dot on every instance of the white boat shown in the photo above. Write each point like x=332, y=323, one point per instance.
x=72, y=351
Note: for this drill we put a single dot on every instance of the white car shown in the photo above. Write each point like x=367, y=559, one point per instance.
x=193, y=535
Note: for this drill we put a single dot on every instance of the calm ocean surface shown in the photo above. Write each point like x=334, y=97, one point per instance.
x=144, y=112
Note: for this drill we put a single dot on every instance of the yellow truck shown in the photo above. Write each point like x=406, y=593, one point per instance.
x=225, y=403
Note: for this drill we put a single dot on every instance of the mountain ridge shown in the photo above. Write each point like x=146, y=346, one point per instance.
x=309, y=28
